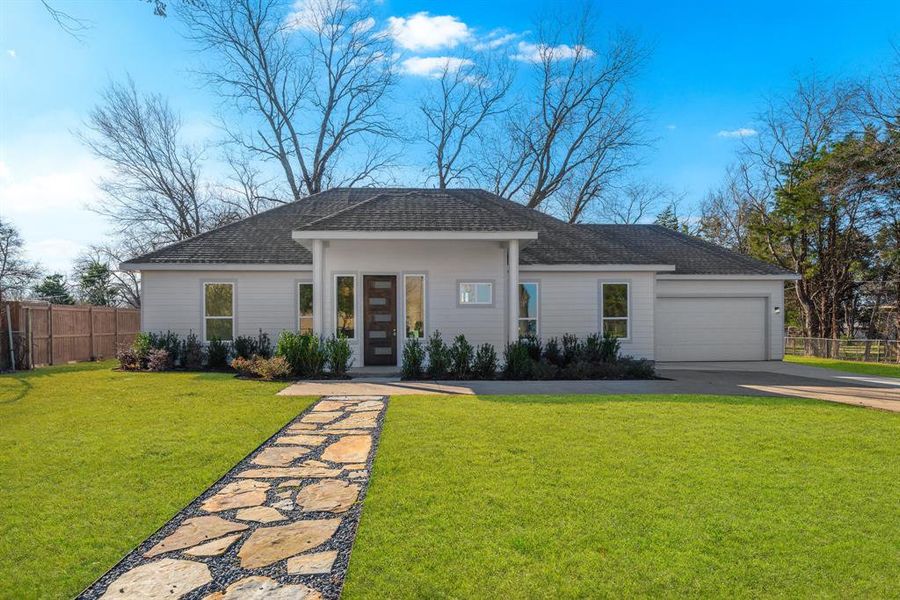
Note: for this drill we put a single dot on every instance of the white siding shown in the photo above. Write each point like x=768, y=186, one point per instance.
x=267, y=300
x=570, y=303
x=771, y=291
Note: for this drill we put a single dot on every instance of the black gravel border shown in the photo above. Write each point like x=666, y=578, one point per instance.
x=225, y=569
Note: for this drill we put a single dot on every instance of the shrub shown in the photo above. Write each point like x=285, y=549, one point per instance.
x=158, y=360
x=192, y=354
x=413, y=361
x=128, y=358
x=534, y=347
x=288, y=347
x=438, y=356
x=485, y=364
x=591, y=350
x=142, y=347
x=245, y=346
x=517, y=361
x=544, y=370
x=217, y=354
x=169, y=342
x=338, y=353
x=461, y=355
x=264, y=344
x=609, y=348
x=303, y=352
x=552, y=352
x=637, y=368
x=272, y=368
x=243, y=366
x=571, y=349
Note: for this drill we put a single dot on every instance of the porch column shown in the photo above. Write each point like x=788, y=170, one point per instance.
x=512, y=255
x=318, y=265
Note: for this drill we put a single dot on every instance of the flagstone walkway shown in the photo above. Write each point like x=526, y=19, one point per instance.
x=279, y=525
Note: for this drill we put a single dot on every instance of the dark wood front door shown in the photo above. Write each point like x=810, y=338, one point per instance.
x=380, y=317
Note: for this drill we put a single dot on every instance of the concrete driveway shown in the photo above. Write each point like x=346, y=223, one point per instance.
x=728, y=378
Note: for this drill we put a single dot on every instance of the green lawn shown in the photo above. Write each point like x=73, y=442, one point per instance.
x=92, y=461
x=573, y=497
x=851, y=366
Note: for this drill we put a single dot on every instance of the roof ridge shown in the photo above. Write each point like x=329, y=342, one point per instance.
x=733, y=255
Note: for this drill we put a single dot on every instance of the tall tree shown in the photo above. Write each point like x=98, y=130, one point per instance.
x=726, y=211
x=155, y=190
x=578, y=126
x=315, y=80
x=54, y=289
x=468, y=94
x=95, y=283
x=126, y=284
x=16, y=272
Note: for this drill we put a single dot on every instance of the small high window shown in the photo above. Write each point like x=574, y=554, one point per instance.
x=614, y=309
x=218, y=311
x=415, y=305
x=305, y=307
x=528, y=309
x=476, y=293
x=345, y=305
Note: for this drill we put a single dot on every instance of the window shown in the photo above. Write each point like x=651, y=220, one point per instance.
x=305, y=307
x=614, y=307
x=415, y=305
x=345, y=303
x=476, y=293
x=218, y=311
x=528, y=309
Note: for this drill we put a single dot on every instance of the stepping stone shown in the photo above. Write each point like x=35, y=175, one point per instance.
x=312, y=564
x=330, y=495
x=360, y=420
x=163, y=579
x=316, y=463
x=265, y=588
x=260, y=514
x=280, y=456
x=286, y=504
x=237, y=495
x=349, y=449
x=358, y=475
x=356, y=399
x=215, y=547
x=283, y=495
x=292, y=472
x=367, y=405
x=321, y=417
x=290, y=483
x=355, y=467
x=195, y=531
x=325, y=405
x=301, y=440
x=301, y=427
x=268, y=545
x=342, y=431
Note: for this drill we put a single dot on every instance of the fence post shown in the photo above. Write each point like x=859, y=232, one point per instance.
x=116, y=329
x=91, y=319
x=50, y=332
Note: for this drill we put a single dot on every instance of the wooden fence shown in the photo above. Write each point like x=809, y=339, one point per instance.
x=52, y=334
x=864, y=350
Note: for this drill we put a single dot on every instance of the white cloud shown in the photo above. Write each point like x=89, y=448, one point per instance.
x=433, y=66
x=528, y=52
x=11, y=53
x=41, y=192
x=4, y=170
x=422, y=31
x=494, y=40
x=737, y=133
x=55, y=254
x=364, y=25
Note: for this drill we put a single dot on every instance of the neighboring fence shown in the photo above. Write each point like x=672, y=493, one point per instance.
x=52, y=334
x=864, y=350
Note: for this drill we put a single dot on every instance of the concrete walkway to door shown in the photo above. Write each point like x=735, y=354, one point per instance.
x=771, y=378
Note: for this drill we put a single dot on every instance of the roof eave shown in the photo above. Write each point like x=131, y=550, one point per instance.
x=302, y=236
x=212, y=266
x=733, y=276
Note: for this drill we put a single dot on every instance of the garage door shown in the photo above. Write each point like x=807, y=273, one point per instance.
x=692, y=329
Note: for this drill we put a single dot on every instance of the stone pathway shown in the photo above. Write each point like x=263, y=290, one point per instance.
x=279, y=525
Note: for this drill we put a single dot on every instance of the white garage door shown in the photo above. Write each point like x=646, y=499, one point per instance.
x=694, y=329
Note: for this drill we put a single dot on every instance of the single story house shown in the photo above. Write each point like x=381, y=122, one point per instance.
x=382, y=265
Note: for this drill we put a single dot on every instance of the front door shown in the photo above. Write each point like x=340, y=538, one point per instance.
x=380, y=318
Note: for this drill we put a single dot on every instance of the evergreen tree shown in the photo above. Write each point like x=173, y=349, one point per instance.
x=54, y=289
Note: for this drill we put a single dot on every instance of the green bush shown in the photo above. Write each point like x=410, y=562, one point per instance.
x=533, y=346
x=438, y=356
x=264, y=344
x=544, y=370
x=412, y=364
x=217, y=352
x=517, y=361
x=591, y=351
x=571, y=349
x=484, y=365
x=338, y=353
x=552, y=352
x=192, y=354
x=461, y=355
x=142, y=346
x=245, y=346
x=609, y=348
x=169, y=342
x=303, y=352
x=288, y=347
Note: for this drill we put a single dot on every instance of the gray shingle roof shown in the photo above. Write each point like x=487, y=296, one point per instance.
x=266, y=238
x=690, y=255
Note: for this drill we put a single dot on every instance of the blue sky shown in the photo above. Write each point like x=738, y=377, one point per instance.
x=711, y=65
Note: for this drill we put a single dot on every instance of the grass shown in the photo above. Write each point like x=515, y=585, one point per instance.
x=851, y=366
x=570, y=497
x=92, y=461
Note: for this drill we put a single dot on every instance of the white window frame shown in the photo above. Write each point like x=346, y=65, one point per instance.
x=424, y=277
x=232, y=318
x=627, y=318
x=297, y=285
x=459, y=300
x=334, y=312
x=537, y=304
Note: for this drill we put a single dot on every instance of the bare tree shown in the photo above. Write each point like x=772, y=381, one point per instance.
x=127, y=284
x=16, y=272
x=246, y=191
x=726, y=212
x=580, y=126
x=155, y=190
x=632, y=203
x=468, y=93
x=316, y=79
